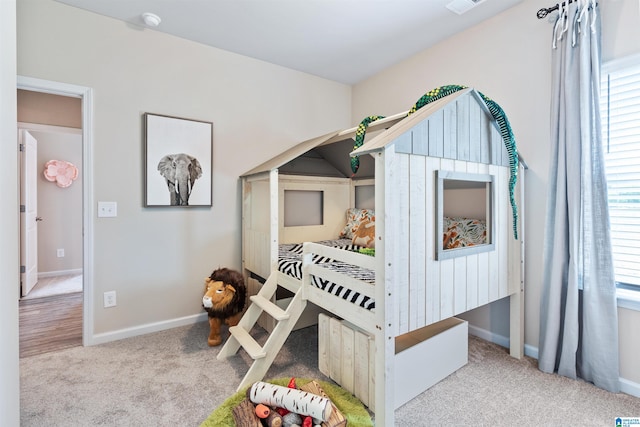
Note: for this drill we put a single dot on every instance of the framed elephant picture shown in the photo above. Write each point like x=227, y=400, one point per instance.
x=178, y=161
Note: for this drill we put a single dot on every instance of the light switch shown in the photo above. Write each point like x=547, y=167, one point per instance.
x=107, y=209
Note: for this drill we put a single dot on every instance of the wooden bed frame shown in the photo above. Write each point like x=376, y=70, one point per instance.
x=413, y=288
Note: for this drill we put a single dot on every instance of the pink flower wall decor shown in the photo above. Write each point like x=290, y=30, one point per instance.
x=61, y=172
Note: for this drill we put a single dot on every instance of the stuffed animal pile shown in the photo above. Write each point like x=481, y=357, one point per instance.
x=224, y=299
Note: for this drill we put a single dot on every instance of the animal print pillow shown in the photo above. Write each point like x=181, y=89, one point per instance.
x=354, y=217
x=365, y=234
x=463, y=232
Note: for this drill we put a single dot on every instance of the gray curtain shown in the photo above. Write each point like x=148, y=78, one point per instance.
x=578, y=316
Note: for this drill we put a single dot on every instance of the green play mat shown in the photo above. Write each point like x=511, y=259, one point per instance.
x=350, y=406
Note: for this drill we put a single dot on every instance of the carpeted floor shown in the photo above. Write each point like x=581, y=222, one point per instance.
x=172, y=378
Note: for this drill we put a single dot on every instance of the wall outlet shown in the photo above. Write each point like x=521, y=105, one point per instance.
x=60, y=253
x=109, y=299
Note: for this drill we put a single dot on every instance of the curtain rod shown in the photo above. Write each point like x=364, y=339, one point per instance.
x=547, y=10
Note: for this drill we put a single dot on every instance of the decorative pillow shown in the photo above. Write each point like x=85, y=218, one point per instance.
x=463, y=232
x=365, y=234
x=354, y=217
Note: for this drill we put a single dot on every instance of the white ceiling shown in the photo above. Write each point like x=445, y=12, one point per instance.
x=342, y=40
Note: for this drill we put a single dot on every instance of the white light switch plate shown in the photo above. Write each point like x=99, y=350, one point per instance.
x=107, y=209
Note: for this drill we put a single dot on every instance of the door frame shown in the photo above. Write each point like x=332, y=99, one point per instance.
x=86, y=95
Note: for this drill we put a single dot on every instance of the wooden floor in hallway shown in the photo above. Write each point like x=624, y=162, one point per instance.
x=50, y=323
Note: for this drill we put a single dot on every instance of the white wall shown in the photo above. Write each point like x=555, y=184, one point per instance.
x=156, y=258
x=9, y=365
x=508, y=58
x=60, y=208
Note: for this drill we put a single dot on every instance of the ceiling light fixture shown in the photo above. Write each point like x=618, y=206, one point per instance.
x=151, y=19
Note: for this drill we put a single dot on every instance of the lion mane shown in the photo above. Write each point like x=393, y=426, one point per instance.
x=237, y=303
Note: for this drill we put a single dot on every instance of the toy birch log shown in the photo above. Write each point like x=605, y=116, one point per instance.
x=300, y=402
x=245, y=415
x=337, y=419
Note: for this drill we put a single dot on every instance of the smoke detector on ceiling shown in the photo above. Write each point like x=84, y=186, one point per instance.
x=151, y=19
x=462, y=6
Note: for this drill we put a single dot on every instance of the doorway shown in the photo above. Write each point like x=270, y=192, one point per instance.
x=78, y=253
x=51, y=199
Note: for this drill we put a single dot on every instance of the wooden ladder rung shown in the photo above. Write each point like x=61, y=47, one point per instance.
x=266, y=305
x=247, y=342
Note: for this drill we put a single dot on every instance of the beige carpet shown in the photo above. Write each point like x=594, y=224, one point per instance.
x=173, y=378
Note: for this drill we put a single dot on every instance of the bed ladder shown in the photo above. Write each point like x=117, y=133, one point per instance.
x=263, y=356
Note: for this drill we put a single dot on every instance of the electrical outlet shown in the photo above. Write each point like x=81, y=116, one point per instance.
x=109, y=299
x=60, y=253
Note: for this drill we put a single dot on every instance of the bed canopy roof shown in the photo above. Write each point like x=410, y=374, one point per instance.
x=326, y=155
x=329, y=154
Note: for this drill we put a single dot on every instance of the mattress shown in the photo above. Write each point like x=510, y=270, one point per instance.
x=290, y=263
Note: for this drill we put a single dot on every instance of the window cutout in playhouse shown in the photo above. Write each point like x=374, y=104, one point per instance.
x=464, y=214
x=303, y=207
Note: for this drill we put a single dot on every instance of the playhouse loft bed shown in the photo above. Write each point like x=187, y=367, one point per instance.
x=447, y=160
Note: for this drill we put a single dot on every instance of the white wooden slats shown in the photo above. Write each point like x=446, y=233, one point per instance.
x=256, y=251
x=346, y=355
x=347, y=359
x=460, y=265
x=450, y=131
x=436, y=134
x=485, y=136
x=432, y=278
x=494, y=261
x=499, y=153
x=420, y=139
x=418, y=205
x=463, y=122
x=503, y=230
x=472, y=261
x=483, y=261
x=461, y=130
x=427, y=290
x=476, y=116
x=402, y=263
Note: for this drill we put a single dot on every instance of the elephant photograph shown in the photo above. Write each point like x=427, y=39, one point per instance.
x=180, y=171
x=178, y=152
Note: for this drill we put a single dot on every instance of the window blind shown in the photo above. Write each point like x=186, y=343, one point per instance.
x=620, y=112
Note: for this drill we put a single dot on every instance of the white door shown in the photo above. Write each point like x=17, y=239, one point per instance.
x=28, y=212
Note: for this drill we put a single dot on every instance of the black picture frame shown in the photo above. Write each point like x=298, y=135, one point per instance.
x=178, y=161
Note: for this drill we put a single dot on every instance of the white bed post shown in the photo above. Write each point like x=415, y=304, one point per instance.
x=384, y=335
x=516, y=300
x=274, y=214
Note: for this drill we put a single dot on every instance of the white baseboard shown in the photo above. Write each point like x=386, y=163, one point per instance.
x=45, y=274
x=629, y=387
x=626, y=386
x=146, y=329
x=501, y=340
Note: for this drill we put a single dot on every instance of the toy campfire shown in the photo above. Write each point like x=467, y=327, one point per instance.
x=277, y=406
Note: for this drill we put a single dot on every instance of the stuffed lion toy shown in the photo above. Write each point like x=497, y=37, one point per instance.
x=224, y=299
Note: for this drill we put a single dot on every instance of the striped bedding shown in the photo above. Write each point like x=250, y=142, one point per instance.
x=290, y=263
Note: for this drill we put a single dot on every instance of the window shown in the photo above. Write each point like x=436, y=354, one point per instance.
x=464, y=210
x=620, y=112
x=303, y=207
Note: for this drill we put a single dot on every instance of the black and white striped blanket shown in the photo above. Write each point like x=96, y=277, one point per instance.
x=290, y=263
